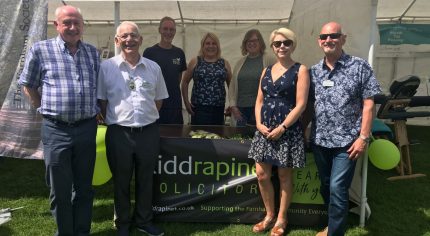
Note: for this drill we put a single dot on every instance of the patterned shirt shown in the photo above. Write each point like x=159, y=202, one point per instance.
x=339, y=95
x=68, y=81
x=209, y=83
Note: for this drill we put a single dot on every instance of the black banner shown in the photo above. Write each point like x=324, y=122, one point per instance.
x=212, y=180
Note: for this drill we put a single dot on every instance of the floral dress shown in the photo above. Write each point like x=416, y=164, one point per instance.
x=279, y=99
x=209, y=79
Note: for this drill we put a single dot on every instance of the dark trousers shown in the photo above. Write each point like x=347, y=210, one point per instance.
x=336, y=171
x=131, y=151
x=208, y=115
x=69, y=153
x=170, y=116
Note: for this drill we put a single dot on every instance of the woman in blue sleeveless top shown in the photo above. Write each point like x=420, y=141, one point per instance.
x=210, y=73
x=279, y=139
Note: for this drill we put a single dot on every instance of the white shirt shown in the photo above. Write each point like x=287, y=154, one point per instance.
x=130, y=92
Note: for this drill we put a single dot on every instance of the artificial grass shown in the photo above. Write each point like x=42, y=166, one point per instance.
x=400, y=207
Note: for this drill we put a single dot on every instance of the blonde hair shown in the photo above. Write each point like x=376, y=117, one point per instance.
x=287, y=33
x=215, y=38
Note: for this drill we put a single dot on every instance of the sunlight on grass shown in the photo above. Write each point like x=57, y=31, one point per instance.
x=424, y=211
x=399, y=207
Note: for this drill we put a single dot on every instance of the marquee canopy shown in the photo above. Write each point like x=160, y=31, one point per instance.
x=233, y=11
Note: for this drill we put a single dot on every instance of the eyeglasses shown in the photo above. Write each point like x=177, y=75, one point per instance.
x=287, y=43
x=124, y=37
x=332, y=36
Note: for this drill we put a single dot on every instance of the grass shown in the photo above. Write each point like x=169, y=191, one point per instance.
x=399, y=207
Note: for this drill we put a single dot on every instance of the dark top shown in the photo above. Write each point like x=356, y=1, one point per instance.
x=209, y=83
x=279, y=96
x=172, y=62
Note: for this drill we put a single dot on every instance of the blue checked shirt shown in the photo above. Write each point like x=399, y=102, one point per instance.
x=339, y=108
x=68, y=81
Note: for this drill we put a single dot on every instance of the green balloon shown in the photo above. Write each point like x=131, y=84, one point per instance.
x=384, y=154
x=100, y=138
x=102, y=172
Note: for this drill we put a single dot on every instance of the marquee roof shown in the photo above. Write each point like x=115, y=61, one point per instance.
x=232, y=11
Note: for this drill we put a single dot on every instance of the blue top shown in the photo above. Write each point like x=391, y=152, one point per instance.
x=209, y=83
x=172, y=63
x=339, y=100
x=279, y=96
x=68, y=82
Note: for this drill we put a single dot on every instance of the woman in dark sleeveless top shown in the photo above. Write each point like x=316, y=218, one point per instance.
x=210, y=73
x=279, y=140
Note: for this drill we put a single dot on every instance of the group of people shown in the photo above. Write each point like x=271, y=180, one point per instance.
x=133, y=93
x=336, y=94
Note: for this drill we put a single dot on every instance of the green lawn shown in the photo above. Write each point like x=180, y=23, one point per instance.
x=399, y=207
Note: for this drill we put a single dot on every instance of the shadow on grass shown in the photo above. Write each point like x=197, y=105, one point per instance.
x=22, y=177
x=5, y=230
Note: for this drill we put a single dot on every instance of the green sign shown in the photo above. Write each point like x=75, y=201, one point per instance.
x=396, y=34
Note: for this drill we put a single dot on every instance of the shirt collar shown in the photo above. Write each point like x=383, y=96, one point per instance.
x=342, y=60
x=62, y=43
x=119, y=60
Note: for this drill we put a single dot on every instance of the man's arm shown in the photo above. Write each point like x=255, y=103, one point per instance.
x=366, y=122
x=103, y=106
x=158, y=104
x=34, y=96
x=358, y=147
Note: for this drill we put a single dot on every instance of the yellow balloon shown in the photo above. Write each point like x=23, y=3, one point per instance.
x=102, y=172
x=384, y=154
x=100, y=138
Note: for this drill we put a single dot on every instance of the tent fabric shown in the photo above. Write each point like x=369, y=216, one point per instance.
x=411, y=11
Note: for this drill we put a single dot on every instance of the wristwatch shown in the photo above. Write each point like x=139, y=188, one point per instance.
x=364, y=138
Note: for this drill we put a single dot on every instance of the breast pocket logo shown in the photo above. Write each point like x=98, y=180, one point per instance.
x=176, y=61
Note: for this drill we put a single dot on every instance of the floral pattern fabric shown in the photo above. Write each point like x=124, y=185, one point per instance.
x=279, y=100
x=209, y=83
x=338, y=96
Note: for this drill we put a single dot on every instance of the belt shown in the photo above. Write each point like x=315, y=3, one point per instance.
x=133, y=129
x=67, y=123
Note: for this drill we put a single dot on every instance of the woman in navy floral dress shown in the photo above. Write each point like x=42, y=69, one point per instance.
x=279, y=139
x=210, y=73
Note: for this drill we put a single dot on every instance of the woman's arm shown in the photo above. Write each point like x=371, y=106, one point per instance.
x=258, y=105
x=302, y=91
x=188, y=75
x=228, y=68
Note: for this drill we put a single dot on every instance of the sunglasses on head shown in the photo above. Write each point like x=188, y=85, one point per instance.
x=332, y=36
x=287, y=43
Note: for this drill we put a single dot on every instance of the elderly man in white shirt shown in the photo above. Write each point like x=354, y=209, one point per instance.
x=130, y=90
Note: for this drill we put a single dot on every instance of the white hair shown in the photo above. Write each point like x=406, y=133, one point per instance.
x=127, y=23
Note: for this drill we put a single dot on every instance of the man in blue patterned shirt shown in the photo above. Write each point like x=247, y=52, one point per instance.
x=65, y=70
x=342, y=88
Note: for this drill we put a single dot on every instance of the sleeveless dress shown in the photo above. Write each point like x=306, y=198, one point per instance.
x=209, y=79
x=279, y=98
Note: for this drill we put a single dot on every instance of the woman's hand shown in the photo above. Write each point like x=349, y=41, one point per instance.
x=189, y=107
x=276, y=133
x=263, y=129
x=236, y=113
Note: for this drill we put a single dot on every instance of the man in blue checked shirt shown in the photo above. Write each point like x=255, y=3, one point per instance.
x=65, y=69
x=342, y=89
